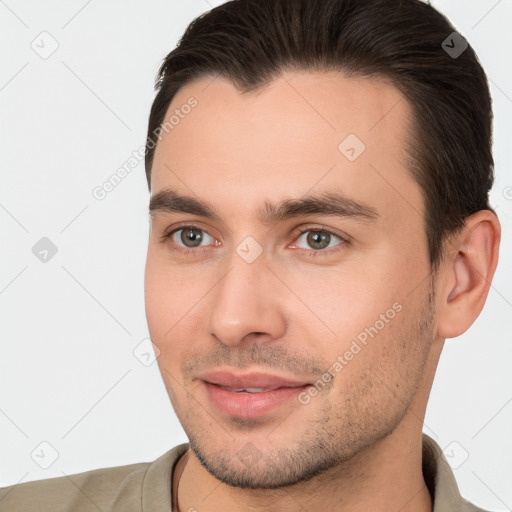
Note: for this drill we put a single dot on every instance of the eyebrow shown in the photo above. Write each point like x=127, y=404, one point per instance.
x=333, y=204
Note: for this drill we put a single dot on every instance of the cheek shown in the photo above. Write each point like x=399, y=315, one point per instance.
x=342, y=302
x=157, y=294
x=380, y=376
x=362, y=314
x=169, y=294
x=174, y=304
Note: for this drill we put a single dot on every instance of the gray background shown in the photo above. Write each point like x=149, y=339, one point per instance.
x=73, y=374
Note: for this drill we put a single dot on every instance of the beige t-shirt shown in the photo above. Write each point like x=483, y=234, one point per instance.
x=146, y=487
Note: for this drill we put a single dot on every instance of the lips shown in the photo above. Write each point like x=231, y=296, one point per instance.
x=250, y=395
x=250, y=382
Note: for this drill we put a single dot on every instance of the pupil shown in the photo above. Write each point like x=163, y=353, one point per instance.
x=318, y=240
x=192, y=235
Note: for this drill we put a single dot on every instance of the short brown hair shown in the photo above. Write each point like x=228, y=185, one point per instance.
x=249, y=42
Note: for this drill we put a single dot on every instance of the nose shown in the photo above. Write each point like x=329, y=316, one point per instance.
x=248, y=302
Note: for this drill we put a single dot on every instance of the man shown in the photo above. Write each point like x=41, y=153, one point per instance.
x=309, y=254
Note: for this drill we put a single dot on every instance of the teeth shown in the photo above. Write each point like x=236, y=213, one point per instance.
x=248, y=390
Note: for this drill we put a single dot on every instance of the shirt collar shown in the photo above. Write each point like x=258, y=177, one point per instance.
x=440, y=480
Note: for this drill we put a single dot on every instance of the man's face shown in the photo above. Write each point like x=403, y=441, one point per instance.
x=334, y=310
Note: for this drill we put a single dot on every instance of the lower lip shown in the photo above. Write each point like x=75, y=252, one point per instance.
x=250, y=405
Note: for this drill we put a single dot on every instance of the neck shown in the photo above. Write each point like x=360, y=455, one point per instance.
x=385, y=476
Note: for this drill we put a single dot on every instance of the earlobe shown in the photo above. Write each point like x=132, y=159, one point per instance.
x=469, y=273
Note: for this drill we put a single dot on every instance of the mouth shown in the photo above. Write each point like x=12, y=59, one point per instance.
x=246, y=390
x=250, y=395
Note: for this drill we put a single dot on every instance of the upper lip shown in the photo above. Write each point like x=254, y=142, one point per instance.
x=249, y=380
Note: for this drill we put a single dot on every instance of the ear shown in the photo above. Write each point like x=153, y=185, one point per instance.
x=467, y=271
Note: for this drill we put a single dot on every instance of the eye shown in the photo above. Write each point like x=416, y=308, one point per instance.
x=318, y=239
x=191, y=240
x=189, y=237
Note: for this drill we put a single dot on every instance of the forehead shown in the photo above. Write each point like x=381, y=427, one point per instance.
x=302, y=132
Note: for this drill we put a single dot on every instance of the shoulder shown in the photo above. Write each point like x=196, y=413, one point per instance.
x=441, y=481
x=91, y=490
x=103, y=489
x=470, y=507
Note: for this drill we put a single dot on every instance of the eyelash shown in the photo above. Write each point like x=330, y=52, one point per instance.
x=300, y=231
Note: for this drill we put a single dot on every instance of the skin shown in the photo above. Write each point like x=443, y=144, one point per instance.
x=357, y=444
